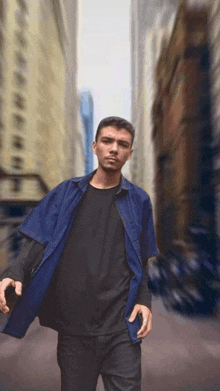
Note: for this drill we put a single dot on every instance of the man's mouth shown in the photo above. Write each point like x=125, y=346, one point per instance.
x=112, y=159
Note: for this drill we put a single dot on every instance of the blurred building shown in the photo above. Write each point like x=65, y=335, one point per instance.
x=214, y=34
x=150, y=21
x=175, y=108
x=152, y=24
x=41, y=143
x=183, y=132
x=73, y=124
x=87, y=115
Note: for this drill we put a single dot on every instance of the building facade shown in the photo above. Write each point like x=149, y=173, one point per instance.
x=151, y=25
x=183, y=132
x=214, y=38
x=36, y=126
x=73, y=124
x=150, y=21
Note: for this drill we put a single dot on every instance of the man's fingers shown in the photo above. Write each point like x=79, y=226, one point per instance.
x=18, y=288
x=146, y=327
x=4, y=309
x=134, y=314
x=143, y=328
x=4, y=284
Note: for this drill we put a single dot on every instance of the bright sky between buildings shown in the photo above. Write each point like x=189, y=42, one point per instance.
x=104, y=56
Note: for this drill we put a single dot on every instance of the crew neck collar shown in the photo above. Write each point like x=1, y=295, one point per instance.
x=124, y=184
x=105, y=188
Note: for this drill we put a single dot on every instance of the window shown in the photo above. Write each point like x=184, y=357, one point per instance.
x=19, y=101
x=17, y=162
x=23, y=5
x=20, y=19
x=20, y=80
x=166, y=169
x=20, y=38
x=15, y=210
x=18, y=142
x=18, y=121
x=20, y=60
x=16, y=184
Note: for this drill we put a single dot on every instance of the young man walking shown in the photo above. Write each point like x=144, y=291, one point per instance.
x=84, y=268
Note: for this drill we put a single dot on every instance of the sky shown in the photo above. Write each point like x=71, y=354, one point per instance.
x=104, y=56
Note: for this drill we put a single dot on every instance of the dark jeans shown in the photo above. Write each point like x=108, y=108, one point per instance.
x=83, y=358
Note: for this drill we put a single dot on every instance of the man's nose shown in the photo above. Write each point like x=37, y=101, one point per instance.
x=114, y=147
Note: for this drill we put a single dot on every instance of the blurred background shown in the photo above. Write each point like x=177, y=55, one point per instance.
x=65, y=65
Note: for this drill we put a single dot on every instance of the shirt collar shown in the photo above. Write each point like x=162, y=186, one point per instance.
x=82, y=182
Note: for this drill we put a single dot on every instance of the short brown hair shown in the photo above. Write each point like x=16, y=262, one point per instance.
x=118, y=123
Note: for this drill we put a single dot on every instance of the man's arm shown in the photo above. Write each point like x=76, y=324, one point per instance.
x=38, y=229
x=19, y=272
x=143, y=306
x=148, y=250
x=144, y=295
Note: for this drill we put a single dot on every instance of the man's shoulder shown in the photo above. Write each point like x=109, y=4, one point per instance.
x=65, y=184
x=70, y=184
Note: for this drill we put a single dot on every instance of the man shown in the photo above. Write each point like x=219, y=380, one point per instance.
x=94, y=235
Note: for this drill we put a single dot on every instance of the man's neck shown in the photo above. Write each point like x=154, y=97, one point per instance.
x=105, y=180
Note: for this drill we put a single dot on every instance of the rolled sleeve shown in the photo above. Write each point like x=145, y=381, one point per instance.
x=40, y=223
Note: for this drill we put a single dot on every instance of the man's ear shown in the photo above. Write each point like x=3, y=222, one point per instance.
x=94, y=146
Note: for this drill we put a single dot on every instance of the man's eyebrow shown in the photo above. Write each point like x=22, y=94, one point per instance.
x=111, y=138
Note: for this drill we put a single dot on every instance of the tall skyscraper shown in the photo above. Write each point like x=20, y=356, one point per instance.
x=87, y=115
x=41, y=144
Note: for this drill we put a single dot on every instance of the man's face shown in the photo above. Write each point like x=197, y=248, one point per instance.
x=113, y=148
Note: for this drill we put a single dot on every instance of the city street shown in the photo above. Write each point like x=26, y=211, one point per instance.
x=178, y=355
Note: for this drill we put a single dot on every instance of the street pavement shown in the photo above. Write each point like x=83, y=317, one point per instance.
x=180, y=354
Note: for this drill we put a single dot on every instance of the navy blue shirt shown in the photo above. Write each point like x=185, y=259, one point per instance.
x=50, y=223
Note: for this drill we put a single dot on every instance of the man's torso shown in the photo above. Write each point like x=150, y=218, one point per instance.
x=89, y=291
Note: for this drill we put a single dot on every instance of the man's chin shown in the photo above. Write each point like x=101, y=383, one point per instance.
x=110, y=169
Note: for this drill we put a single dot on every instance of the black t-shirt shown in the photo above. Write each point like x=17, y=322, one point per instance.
x=89, y=290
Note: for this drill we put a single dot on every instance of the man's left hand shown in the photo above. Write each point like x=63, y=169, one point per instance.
x=146, y=319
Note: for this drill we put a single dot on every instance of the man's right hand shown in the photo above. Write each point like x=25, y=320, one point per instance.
x=4, y=284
